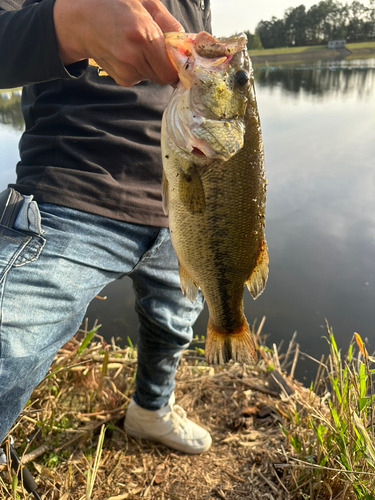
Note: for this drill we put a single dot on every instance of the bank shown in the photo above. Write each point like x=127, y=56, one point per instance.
x=272, y=437
x=299, y=55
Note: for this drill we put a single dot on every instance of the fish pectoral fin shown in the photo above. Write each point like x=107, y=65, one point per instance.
x=258, y=278
x=191, y=191
x=188, y=287
x=165, y=194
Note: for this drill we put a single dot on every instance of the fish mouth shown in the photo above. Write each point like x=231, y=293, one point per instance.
x=184, y=49
x=202, y=44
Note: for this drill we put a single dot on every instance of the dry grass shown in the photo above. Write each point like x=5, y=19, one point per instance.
x=84, y=453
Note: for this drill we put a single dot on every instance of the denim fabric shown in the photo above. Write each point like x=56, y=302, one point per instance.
x=47, y=281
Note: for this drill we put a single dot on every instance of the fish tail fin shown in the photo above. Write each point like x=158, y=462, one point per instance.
x=238, y=345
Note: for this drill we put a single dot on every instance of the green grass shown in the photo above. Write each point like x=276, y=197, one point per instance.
x=362, y=45
x=286, y=50
x=310, y=48
x=333, y=437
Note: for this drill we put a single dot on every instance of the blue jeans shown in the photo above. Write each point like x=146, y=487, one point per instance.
x=47, y=281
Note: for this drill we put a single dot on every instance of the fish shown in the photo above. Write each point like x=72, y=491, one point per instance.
x=214, y=185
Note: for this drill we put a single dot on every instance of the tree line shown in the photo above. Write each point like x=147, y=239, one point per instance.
x=327, y=20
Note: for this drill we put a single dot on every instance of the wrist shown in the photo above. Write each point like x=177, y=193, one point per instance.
x=66, y=15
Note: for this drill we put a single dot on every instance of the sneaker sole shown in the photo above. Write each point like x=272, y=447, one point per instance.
x=134, y=433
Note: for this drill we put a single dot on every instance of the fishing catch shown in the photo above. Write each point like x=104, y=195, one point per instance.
x=214, y=186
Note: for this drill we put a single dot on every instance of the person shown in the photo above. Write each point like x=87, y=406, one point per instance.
x=86, y=207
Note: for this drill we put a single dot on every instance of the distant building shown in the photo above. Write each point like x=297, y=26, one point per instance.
x=336, y=44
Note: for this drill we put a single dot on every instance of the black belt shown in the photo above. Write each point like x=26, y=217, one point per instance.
x=11, y=202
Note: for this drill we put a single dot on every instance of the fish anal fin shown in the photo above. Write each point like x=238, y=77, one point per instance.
x=258, y=278
x=191, y=191
x=238, y=345
x=188, y=287
x=165, y=194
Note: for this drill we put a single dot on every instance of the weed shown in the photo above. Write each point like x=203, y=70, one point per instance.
x=93, y=469
x=333, y=435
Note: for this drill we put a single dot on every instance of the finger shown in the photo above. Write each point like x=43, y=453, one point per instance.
x=147, y=53
x=124, y=75
x=161, y=69
x=162, y=17
x=157, y=56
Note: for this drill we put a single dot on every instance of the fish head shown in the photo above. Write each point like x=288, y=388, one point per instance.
x=206, y=116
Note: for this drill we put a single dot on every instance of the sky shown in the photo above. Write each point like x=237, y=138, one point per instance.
x=233, y=16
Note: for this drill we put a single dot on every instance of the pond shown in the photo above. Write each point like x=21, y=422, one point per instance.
x=319, y=138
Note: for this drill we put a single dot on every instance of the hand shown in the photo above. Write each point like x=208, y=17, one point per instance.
x=125, y=37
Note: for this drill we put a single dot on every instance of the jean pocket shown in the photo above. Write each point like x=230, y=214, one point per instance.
x=17, y=249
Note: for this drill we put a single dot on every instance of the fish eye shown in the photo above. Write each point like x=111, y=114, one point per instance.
x=241, y=77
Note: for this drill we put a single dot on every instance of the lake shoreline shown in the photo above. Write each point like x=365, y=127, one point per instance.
x=298, y=55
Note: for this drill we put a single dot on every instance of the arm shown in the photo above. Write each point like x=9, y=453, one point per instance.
x=125, y=37
x=28, y=48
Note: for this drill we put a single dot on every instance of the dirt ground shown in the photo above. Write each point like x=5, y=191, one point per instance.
x=241, y=406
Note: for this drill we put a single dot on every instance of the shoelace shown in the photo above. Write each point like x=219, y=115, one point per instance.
x=179, y=417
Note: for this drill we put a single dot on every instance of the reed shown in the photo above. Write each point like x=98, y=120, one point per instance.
x=333, y=434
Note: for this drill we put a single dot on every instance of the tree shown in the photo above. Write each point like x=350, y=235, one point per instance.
x=314, y=23
x=271, y=33
x=295, y=21
x=324, y=21
x=253, y=41
x=361, y=25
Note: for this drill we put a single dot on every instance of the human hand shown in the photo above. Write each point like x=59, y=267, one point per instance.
x=124, y=37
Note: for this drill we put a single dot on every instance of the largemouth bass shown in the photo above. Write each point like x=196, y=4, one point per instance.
x=214, y=186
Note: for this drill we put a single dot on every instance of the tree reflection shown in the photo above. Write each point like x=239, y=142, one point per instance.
x=320, y=81
x=10, y=110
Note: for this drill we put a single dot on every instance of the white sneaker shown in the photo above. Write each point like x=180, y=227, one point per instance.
x=168, y=426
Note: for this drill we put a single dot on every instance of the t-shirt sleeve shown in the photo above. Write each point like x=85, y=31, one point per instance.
x=28, y=46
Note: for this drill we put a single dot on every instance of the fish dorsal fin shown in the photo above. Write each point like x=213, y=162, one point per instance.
x=258, y=278
x=165, y=194
x=188, y=287
x=191, y=191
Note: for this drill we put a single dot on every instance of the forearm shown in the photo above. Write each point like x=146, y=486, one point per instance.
x=28, y=47
x=125, y=37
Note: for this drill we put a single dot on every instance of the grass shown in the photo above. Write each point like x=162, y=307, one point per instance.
x=362, y=45
x=309, y=48
x=334, y=436
x=287, y=50
x=299, y=55
x=272, y=437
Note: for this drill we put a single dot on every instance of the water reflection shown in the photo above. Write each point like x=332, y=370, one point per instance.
x=324, y=80
x=10, y=109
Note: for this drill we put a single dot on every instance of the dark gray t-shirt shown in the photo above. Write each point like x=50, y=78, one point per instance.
x=89, y=144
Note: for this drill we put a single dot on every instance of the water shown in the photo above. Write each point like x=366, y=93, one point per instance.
x=319, y=137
